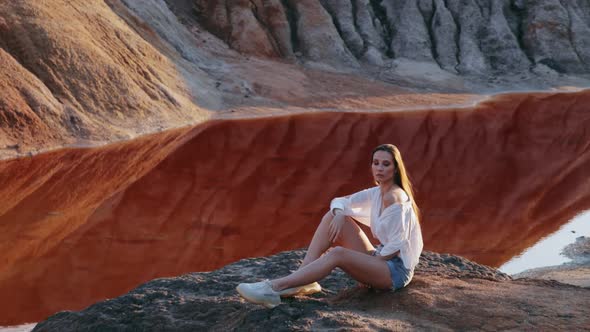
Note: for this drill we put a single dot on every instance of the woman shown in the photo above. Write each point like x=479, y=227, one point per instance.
x=389, y=209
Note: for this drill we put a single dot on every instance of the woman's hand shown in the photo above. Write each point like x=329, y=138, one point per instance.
x=336, y=226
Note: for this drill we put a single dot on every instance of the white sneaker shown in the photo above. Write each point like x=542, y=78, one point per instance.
x=312, y=288
x=260, y=293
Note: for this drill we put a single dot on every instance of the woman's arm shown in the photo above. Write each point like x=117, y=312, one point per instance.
x=338, y=205
x=354, y=205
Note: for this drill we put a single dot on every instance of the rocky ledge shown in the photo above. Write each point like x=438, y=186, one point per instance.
x=447, y=293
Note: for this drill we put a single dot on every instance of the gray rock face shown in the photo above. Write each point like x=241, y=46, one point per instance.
x=343, y=14
x=276, y=19
x=369, y=26
x=546, y=35
x=317, y=37
x=444, y=33
x=469, y=20
x=360, y=29
x=499, y=43
x=482, y=37
x=409, y=34
x=580, y=29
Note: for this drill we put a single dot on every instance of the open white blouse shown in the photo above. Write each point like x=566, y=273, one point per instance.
x=397, y=226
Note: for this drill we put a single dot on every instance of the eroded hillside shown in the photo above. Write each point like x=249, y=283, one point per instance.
x=86, y=72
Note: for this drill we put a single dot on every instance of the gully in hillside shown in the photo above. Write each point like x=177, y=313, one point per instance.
x=391, y=212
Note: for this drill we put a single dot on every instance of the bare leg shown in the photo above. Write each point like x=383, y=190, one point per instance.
x=320, y=241
x=352, y=237
x=366, y=269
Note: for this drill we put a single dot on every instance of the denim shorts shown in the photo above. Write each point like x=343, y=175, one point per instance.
x=400, y=275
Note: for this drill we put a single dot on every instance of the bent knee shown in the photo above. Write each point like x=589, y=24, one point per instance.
x=337, y=251
x=338, y=255
x=328, y=216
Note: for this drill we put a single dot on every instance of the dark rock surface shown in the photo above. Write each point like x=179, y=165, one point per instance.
x=447, y=293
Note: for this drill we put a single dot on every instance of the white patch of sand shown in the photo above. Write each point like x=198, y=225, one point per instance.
x=18, y=328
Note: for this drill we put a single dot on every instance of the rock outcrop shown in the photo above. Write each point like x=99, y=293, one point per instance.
x=447, y=293
x=469, y=37
x=76, y=72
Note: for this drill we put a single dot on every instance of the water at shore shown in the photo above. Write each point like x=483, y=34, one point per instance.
x=547, y=252
x=18, y=328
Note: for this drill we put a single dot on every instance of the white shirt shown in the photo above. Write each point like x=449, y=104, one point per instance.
x=397, y=227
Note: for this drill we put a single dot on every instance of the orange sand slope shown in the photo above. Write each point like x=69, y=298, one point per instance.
x=76, y=70
x=82, y=225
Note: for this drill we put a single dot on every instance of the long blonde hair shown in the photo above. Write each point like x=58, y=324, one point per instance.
x=401, y=177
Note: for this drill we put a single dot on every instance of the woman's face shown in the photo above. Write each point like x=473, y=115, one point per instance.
x=383, y=167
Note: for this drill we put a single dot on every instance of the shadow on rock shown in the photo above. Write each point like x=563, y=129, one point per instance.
x=448, y=292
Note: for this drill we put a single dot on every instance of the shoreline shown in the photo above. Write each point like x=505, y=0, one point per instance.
x=21, y=150
x=576, y=272
x=567, y=273
x=19, y=328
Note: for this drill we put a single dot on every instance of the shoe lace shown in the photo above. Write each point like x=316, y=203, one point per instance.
x=262, y=284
